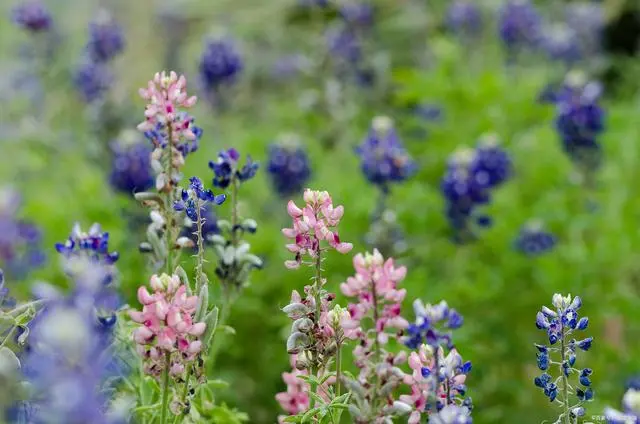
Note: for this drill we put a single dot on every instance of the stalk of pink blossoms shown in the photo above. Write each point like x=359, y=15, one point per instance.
x=167, y=335
x=435, y=373
x=316, y=336
x=312, y=224
x=375, y=286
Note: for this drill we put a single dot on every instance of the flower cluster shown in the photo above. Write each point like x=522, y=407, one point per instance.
x=167, y=327
x=433, y=325
x=33, y=16
x=106, y=38
x=630, y=404
x=167, y=127
x=92, y=76
x=20, y=240
x=220, y=63
x=295, y=399
x=587, y=20
x=533, y=240
x=580, y=121
x=384, y=158
x=378, y=302
x=560, y=323
x=520, y=25
x=561, y=43
x=357, y=14
x=468, y=181
x=437, y=383
x=227, y=169
x=312, y=224
x=70, y=362
x=93, y=245
x=464, y=17
x=288, y=166
x=131, y=166
x=195, y=197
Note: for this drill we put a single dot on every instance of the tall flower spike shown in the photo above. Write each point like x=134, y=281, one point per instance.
x=561, y=323
x=131, y=167
x=372, y=321
x=312, y=224
x=106, y=38
x=384, y=158
x=288, y=166
x=220, y=63
x=533, y=240
x=464, y=18
x=520, y=25
x=33, y=16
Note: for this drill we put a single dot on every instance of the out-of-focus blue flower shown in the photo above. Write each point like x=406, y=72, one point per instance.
x=33, y=16
x=384, y=159
x=580, y=121
x=452, y=414
x=464, y=18
x=220, y=63
x=630, y=406
x=433, y=325
x=93, y=245
x=344, y=45
x=560, y=323
x=6, y=301
x=106, y=38
x=468, y=181
x=20, y=241
x=360, y=14
x=386, y=234
x=69, y=358
x=288, y=166
x=92, y=80
x=561, y=43
x=520, y=24
x=587, y=20
x=227, y=167
x=131, y=167
x=289, y=66
x=533, y=240
x=311, y=3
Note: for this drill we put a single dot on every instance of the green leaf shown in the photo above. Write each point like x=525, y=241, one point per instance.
x=317, y=398
x=211, y=319
x=227, y=329
x=292, y=419
x=148, y=388
x=342, y=398
x=309, y=414
x=311, y=379
x=217, y=384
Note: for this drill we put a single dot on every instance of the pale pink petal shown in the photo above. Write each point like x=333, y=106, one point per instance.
x=144, y=297
x=197, y=329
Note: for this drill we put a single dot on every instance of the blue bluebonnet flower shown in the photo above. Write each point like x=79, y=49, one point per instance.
x=630, y=413
x=433, y=325
x=520, y=25
x=561, y=43
x=6, y=301
x=360, y=14
x=160, y=138
x=386, y=234
x=20, y=240
x=33, y=16
x=93, y=245
x=384, y=158
x=70, y=358
x=344, y=45
x=106, y=38
x=560, y=325
x=533, y=240
x=288, y=166
x=227, y=168
x=220, y=63
x=289, y=66
x=92, y=80
x=468, y=181
x=196, y=197
x=580, y=121
x=452, y=414
x=131, y=167
x=311, y=3
x=464, y=17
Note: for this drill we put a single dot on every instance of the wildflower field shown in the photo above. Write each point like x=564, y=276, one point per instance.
x=319, y=211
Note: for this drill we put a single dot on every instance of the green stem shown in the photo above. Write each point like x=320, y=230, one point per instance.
x=185, y=392
x=565, y=382
x=200, y=256
x=234, y=211
x=165, y=388
x=338, y=367
x=318, y=301
x=378, y=353
x=169, y=206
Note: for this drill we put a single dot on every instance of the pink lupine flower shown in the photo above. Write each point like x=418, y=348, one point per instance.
x=165, y=94
x=375, y=287
x=167, y=325
x=312, y=224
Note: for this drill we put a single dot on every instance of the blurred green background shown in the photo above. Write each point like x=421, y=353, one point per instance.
x=50, y=151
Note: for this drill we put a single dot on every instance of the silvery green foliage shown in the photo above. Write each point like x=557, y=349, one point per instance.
x=235, y=260
x=325, y=409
